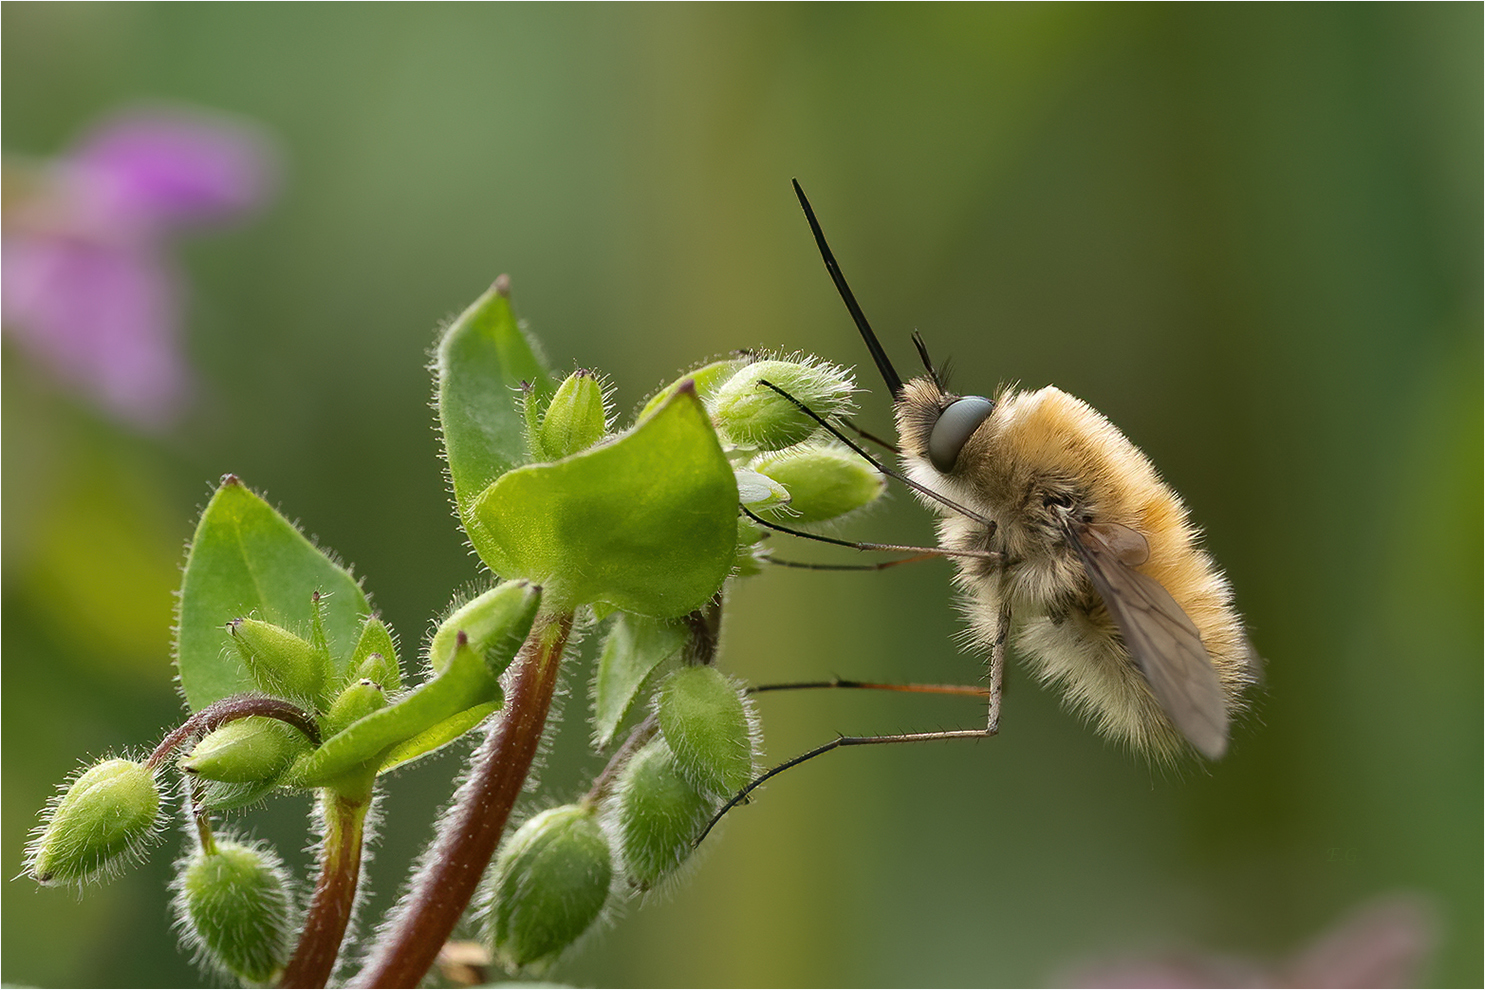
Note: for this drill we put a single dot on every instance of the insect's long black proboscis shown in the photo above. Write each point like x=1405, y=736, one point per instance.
x=968, y=513
x=884, y=364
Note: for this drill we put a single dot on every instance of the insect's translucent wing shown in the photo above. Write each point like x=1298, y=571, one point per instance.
x=1127, y=546
x=1160, y=636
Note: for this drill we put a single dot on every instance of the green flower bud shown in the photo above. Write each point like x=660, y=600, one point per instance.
x=709, y=728
x=218, y=796
x=236, y=910
x=98, y=825
x=706, y=379
x=351, y=705
x=823, y=482
x=380, y=671
x=495, y=624
x=375, y=657
x=551, y=881
x=280, y=662
x=751, y=414
x=577, y=417
x=247, y=751
x=657, y=815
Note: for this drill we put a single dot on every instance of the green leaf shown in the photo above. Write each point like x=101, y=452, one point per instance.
x=646, y=523
x=633, y=649
x=482, y=359
x=246, y=559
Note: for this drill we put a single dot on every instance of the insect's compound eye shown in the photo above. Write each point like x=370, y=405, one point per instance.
x=955, y=426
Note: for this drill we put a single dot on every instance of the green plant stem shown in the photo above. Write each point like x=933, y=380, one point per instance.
x=335, y=891
x=471, y=829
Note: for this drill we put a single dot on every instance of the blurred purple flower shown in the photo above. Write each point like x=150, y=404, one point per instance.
x=88, y=286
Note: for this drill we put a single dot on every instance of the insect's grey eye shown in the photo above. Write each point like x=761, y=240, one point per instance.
x=954, y=427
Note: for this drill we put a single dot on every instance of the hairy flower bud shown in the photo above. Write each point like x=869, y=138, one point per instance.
x=351, y=705
x=280, y=662
x=709, y=728
x=248, y=751
x=98, y=825
x=551, y=881
x=380, y=671
x=705, y=379
x=657, y=815
x=750, y=414
x=823, y=482
x=577, y=417
x=495, y=623
x=235, y=909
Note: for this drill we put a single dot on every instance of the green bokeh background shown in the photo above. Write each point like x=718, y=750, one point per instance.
x=1249, y=235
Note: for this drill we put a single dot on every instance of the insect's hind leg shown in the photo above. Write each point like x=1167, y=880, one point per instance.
x=991, y=690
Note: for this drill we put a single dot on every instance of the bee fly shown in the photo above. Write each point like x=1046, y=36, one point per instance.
x=1070, y=547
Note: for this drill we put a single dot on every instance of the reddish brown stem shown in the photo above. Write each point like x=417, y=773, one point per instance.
x=334, y=896
x=472, y=828
x=219, y=713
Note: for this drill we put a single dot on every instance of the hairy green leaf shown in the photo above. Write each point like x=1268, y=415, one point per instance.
x=246, y=559
x=634, y=649
x=482, y=360
x=646, y=523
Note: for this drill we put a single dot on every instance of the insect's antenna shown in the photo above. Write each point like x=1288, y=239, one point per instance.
x=927, y=361
x=884, y=364
x=941, y=499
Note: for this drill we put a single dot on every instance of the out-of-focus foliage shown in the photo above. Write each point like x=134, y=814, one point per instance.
x=1249, y=235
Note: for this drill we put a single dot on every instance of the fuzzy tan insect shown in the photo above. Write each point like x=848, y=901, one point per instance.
x=1070, y=546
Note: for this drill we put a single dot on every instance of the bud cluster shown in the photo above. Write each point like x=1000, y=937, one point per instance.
x=789, y=469
x=561, y=872
x=284, y=701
